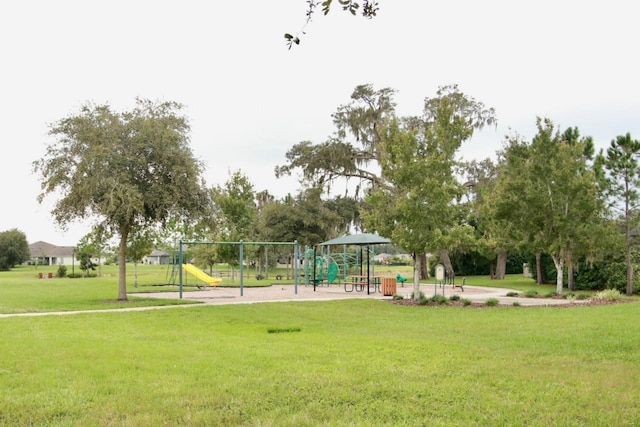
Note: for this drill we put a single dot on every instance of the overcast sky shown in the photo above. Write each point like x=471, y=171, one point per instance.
x=249, y=98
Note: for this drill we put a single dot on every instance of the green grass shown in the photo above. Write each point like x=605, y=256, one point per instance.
x=329, y=363
x=351, y=362
x=22, y=292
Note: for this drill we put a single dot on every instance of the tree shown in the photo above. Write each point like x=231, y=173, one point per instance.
x=128, y=170
x=548, y=192
x=419, y=206
x=623, y=184
x=140, y=244
x=352, y=152
x=85, y=253
x=369, y=10
x=14, y=248
x=305, y=218
x=237, y=209
x=493, y=235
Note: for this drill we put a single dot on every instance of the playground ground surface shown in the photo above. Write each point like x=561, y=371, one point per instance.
x=283, y=292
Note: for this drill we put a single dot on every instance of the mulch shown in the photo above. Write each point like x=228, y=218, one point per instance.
x=477, y=304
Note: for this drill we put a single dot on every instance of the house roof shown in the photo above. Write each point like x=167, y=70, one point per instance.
x=158, y=253
x=44, y=249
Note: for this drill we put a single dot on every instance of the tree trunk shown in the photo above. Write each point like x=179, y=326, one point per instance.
x=135, y=274
x=416, y=276
x=627, y=252
x=446, y=261
x=539, y=268
x=569, y=271
x=424, y=267
x=501, y=265
x=558, y=260
x=122, y=266
x=492, y=272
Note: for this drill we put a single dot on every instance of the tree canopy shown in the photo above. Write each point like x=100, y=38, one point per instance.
x=14, y=248
x=126, y=171
x=367, y=8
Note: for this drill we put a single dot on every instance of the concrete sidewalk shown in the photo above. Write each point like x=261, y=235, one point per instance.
x=287, y=293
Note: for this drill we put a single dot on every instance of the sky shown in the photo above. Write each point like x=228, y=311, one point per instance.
x=249, y=98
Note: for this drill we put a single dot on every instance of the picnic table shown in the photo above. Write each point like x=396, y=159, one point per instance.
x=359, y=283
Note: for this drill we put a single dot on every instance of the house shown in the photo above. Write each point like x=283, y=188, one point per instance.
x=44, y=253
x=157, y=258
x=382, y=259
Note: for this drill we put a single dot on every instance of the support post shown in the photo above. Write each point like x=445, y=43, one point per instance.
x=180, y=265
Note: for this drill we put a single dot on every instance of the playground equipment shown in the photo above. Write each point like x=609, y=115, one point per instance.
x=212, y=281
x=360, y=267
x=321, y=266
x=401, y=279
x=241, y=260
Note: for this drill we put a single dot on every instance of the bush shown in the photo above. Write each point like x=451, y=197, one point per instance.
x=608, y=295
x=397, y=297
x=583, y=296
x=513, y=294
x=531, y=293
x=62, y=271
x=454, y=297
x=492, y=302
x=466, y=301
x=516, y=304
x=550, y=294
x=439, y=299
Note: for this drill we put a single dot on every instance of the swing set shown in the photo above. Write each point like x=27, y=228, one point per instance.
x=242, y=263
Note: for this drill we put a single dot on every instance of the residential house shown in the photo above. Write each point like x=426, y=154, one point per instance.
x=157, y=258
x=43, y=253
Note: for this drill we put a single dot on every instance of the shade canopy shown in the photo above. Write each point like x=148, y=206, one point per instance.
x=357, y=239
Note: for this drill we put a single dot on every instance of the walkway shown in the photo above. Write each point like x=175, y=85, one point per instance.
x=286, y=293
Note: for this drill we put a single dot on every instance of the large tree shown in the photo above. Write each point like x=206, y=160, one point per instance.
x=237, y=210
x=124, y=170
x=352, y=152
x=14, y=248
x=419, y=204
x=547, y=191
x=623, y=185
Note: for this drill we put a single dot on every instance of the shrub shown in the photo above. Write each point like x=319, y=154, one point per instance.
x=583, y=296
x=454, y=297
x=491, y=302
x=466, y=301
x=513, y=294
x=550, y=294
x=439, y=299
x=608, y=295
x=62, y=271
x=397, y=297
x=516, y=304
x=531, y=293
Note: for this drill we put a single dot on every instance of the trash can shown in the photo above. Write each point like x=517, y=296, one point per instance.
x=388, y=286
x=50, y=275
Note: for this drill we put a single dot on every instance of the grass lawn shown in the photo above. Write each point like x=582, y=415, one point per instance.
x=21, y=291
x=351, y=362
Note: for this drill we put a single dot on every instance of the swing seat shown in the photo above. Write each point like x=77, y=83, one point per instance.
x=401, y=279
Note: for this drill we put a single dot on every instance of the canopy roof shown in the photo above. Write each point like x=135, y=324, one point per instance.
x=357, y=239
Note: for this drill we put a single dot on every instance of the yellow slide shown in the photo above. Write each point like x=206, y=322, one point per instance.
x=190, y=268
